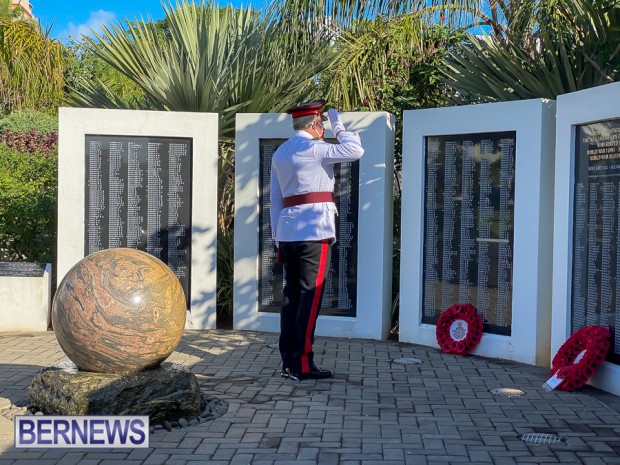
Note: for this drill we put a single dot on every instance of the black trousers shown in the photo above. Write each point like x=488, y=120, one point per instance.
x=306, y=264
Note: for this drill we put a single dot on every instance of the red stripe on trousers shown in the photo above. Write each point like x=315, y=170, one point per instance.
x=314, y=310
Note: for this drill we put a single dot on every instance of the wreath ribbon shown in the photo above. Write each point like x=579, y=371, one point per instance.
x=579, y=358
x=459, y=329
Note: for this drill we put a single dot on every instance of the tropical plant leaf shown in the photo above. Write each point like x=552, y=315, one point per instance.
x=31, y=67
x=211, y=59
x=561, y=47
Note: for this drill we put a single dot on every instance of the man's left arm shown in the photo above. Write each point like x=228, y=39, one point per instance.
x=276, y=202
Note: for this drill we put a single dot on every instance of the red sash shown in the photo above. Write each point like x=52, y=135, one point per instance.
x=310, y=197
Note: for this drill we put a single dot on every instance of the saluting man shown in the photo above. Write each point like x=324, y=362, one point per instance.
x=304, y=227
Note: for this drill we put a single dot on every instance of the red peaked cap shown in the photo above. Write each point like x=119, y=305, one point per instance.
x=311, y=108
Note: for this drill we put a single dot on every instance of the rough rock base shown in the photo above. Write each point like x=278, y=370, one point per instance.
x=168, y=392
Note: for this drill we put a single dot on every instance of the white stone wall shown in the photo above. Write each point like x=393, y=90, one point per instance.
x=577, y=108
x=375, y=224
x=26, y=302
x=533, y=122
x=202, y=128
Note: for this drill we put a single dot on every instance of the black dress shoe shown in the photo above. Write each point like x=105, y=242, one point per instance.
x=314, y=373
x=317, y=373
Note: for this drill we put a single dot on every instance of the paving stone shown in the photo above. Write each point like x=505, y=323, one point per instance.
x=372, y=411
x=416, y=460
x=157, y=459
x=120, y=462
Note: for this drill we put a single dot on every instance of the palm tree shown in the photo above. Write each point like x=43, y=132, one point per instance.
x=541, y=48
x=31, y=66
x=345, y=13
x=514, y=49
x=212, y=59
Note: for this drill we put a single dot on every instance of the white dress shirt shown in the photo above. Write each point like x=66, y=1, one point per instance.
x=301, y=165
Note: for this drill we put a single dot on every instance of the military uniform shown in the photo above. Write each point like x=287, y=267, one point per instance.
x=304, y=227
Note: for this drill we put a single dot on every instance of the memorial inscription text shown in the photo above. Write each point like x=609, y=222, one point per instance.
x=595, y=289
x=138, y=195
x=468, y=226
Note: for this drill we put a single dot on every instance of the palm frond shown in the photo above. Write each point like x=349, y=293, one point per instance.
x=31, y=67
x=344, y=13
x=211, y=59
x=564, y=46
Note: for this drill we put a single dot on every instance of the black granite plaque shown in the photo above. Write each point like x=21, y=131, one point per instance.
x=468, y=226
x=595, y=290
x=138, y=195
x=340, y=297
x=22, y=269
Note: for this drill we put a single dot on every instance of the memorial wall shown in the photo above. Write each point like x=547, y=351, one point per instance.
x=596, y=225
x=586, y=246
x=357, y=299
x=25, y=287
x=136, y=179
x=476, y=227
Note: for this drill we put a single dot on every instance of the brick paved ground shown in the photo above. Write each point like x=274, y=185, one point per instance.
x=373, y=412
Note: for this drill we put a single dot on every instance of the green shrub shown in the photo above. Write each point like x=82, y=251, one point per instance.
x=225, y=276
x=28, y=187
x=29, y=120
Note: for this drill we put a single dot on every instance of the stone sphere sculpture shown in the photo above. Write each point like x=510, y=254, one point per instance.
x=119, y=310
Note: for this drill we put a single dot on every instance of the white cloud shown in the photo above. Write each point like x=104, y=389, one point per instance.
x=95, y=21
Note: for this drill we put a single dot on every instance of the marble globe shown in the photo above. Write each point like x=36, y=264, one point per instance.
x=119, y=310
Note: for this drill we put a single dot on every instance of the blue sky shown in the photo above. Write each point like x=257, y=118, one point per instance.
x=74, y=18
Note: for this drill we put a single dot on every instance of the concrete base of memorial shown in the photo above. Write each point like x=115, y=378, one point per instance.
x=525, y=271
x=26, y=301
x=368, y=312
x=607, y=378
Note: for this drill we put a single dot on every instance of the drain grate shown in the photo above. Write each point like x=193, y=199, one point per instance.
x=507, y=392
x=541, y=438
x=407, y=361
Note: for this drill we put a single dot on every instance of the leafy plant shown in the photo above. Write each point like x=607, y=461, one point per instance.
x=226, y=186
x=542, y=49
x=7, y=11
x=31, y=67
x=84, y=66
x=29, y=120
x=27, y=203
x=225, y=275
x=30, y=142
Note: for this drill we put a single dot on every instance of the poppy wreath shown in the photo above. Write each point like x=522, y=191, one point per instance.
x=459, y=329
x=579, y=357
